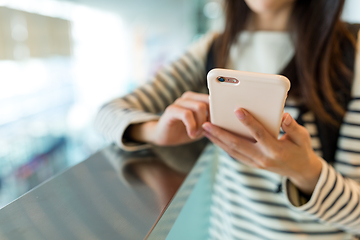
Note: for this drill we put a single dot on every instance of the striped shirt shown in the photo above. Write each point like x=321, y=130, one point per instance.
x=250, y=203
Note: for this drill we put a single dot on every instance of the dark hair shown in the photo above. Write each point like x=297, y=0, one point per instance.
x=319, y=76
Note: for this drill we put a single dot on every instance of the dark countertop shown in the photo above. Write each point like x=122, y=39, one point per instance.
x=111, y=195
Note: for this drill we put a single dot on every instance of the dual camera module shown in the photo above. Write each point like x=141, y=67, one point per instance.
x=227, y=80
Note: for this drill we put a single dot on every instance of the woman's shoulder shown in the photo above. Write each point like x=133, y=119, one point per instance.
x=202, y=44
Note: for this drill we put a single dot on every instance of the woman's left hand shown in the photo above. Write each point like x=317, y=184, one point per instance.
x=291, y=155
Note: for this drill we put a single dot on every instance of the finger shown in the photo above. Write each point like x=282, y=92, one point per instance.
x=199, y=110
x=201, y=97
x=257, y=130
x=196, y=96
x=234, y=154
x=239, y=144
x=175, y=112
x=295, y=132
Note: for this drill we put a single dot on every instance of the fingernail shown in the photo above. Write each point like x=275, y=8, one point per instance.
x=240, y=114
x=287, y=120
x=206, y=127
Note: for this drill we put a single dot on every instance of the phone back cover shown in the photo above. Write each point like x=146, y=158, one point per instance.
x=263, y=95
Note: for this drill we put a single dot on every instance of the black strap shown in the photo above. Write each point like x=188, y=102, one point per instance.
x=328, y=134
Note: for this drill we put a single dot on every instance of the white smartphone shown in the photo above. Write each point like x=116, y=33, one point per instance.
x=263, y=95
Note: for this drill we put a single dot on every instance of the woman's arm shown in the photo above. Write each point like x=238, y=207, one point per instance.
x=336, y=199
x=144, y=103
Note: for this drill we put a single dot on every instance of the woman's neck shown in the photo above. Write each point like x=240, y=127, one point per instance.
x=270, y=21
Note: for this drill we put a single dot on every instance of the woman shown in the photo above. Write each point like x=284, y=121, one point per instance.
x=306, y=41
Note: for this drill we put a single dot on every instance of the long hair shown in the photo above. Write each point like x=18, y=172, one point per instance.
x=319, y=76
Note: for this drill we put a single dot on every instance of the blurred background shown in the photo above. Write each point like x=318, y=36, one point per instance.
x=61, y=60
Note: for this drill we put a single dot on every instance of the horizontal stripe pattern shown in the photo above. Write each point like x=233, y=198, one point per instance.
x=233, y=210
x=146, y=102
x=247, y=204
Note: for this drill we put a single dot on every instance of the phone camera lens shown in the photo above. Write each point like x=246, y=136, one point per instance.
x=221, y=79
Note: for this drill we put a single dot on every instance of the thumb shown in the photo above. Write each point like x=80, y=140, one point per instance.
x=295, y=132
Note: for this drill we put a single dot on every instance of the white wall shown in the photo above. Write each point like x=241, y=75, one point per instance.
x=351, y=11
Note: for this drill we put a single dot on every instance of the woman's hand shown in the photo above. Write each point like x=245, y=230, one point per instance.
x=180, y=123
x=291, y=155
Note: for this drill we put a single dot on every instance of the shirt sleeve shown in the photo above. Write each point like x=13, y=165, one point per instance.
x=336, y=198
x=146, y=102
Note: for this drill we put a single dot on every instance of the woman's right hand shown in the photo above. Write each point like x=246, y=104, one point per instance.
x=180, y=123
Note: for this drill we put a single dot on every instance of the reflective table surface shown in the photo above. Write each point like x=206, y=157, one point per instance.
x=111, y=195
